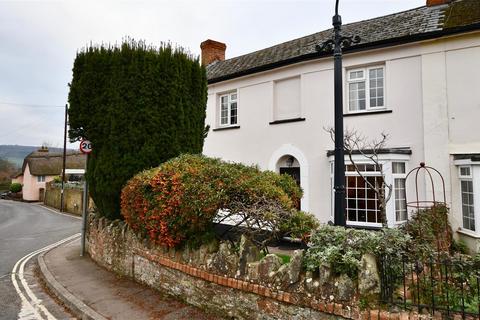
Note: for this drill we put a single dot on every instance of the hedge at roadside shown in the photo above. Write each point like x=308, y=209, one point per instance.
x=139, y=106
x=179, y=200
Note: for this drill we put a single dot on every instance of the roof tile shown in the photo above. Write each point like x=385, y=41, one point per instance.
x=410, y=23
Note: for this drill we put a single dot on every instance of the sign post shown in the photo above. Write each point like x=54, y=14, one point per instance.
x=85, y=148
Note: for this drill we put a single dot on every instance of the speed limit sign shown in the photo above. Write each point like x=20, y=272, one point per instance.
x=85, y=146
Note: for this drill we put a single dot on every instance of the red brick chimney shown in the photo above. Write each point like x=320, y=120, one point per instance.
x=431, y=3
x=212, y=51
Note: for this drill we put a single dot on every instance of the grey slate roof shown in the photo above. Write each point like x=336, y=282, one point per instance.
x=407, y=26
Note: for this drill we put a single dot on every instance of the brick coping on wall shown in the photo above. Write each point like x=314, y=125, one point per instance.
x=337, y=309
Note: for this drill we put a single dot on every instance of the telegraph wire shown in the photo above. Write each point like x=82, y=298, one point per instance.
x=30, y=105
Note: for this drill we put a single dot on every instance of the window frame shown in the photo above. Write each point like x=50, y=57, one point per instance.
x=366, y=80
x=230, y=101
x=386, y=160
x=365, y=174
x=467, y=178
x=41, y=178
x=398, y=176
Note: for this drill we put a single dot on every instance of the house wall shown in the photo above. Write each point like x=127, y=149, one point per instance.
x=31, y=187
x=18, y=179
x=430, y=88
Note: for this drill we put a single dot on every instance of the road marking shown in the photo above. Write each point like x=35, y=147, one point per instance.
x=57, y=212
x=32, y=308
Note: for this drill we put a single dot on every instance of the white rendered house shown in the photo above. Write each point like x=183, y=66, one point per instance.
x=415, y=75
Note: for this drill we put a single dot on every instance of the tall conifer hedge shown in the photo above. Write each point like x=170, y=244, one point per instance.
x=139, y=106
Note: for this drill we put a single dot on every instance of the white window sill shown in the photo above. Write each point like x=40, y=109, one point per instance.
x=364, y=224
x=469, y=233
x=227, y=127
x=366, y=112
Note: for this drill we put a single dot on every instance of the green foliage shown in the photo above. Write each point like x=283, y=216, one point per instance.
x=179, y=200
x=15, y=187
x=430, y=231
x=57, y=179
x=139, y=106
x=459, y=247
x=300, y=225
x=342, y=248
x=285, y=257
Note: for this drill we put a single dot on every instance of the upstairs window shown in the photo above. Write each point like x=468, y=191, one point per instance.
x=366, y=89
x=228, y=109
x=40, y=178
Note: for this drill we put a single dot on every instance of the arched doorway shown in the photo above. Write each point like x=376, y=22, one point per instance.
x=288, y=164
x=290, y=160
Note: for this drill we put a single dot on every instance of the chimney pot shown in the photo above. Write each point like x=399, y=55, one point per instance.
x=212, y=51
x=431, y=3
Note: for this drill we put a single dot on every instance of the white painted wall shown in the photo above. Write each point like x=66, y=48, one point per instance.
x=431, y=88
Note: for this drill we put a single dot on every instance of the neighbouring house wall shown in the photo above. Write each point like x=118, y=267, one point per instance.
x=232, y=283
x=18, y=180
x=73, y=198
x=31, y=187
x=463, y=97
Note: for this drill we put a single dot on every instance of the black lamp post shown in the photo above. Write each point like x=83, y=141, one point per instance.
x=336, y=44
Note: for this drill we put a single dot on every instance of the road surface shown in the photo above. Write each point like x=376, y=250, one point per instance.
x=25, y=228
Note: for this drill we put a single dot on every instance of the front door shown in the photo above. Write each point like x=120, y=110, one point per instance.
x=293, y=172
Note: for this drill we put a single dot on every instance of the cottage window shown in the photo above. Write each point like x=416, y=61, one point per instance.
x=40, y=178
x=228, y=109
x=363, y=204
x=366, y=89
x=398, y=173
x=466, y=187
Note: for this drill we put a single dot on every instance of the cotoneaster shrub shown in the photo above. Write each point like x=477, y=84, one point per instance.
x=178, y=201
x=342, y=248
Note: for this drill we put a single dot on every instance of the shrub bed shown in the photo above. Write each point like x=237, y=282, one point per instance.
x=179, y=200
x=15, y=187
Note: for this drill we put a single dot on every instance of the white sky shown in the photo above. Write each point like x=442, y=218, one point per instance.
x=39, y=39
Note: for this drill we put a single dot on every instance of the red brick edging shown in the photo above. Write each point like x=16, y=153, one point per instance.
x=282, y=296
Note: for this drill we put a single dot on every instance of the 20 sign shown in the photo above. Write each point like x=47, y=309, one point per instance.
x=85, y=146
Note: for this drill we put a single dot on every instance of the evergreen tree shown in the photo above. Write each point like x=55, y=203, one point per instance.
x=139, y=106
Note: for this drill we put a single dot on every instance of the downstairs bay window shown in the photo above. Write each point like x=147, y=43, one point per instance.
x=363, y=204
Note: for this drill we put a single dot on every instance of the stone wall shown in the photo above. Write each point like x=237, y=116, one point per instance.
x=73, y=198
x=231, y=280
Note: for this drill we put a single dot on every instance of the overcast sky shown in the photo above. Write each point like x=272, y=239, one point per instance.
x=39, y=39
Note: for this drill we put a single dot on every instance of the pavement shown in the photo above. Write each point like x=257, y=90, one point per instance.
x=89, y=291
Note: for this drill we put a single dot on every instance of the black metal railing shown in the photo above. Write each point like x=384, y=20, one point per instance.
x=446, y=285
